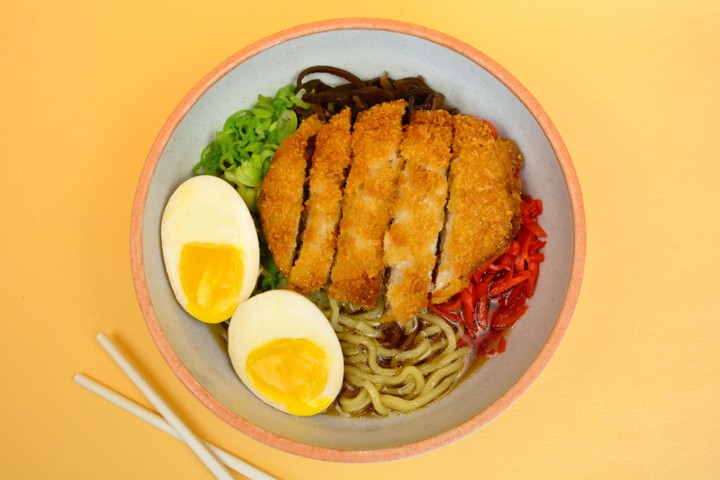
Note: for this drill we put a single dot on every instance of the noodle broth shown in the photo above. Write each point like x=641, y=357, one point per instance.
x=392, y=368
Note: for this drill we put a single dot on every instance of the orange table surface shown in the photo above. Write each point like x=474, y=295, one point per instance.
x=633, y=88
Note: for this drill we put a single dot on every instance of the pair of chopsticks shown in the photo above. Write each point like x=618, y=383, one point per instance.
x=213, y=457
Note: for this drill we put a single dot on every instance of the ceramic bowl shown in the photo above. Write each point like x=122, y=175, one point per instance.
x=368, y=47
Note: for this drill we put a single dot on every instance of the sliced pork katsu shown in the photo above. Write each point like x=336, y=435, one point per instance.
x=514, y=184
x=483, y=205
x=421, y=209
x=358, y=273
x=418, y=213
x=280, y=202
x=322, y=208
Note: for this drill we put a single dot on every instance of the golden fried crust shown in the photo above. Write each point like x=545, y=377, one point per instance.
x=358, y=272
x=327, y=177
x=514, y=184
x=280, y=202
x=484, y=200
x=418, y=213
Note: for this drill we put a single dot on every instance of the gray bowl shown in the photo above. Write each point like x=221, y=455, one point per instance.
x=368, y=47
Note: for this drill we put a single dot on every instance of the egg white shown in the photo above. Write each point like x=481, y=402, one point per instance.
x=279, y=314
x=207, y=209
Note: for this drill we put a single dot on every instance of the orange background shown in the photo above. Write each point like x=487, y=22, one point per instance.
x=634, y=89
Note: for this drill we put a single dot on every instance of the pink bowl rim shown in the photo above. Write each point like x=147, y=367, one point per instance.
x=392, y=453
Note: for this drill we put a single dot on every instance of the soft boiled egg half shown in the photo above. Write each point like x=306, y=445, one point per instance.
x=210, y=248
x=285, y=351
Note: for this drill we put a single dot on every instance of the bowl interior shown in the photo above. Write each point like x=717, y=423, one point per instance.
x=203, y=363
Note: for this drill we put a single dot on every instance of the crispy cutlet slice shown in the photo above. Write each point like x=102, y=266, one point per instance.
x=280, y=202
x=358, y=272
x=483, y=203
x=327, y=177
x=513, y=182
x=418, y=213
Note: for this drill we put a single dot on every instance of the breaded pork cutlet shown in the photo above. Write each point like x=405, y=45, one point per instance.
x=322, y=208
x=280, y=202
x=483, y=205
x=418, y=213
x=514, y=184
x=358, y=272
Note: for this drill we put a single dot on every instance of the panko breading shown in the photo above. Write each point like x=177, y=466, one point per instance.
x=483, y=205
x=513, y=182
x=280, y=202
x=444, y=177
x=358, y=273
x=327, y=177
x=418, y=213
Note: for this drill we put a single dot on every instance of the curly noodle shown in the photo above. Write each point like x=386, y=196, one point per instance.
x=390, y=371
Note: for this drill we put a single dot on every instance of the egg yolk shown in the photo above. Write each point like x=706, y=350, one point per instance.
x=211, y=277
x=292, y=372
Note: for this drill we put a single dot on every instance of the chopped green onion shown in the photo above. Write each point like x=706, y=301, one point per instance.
x=242, y=151
x=249, y=196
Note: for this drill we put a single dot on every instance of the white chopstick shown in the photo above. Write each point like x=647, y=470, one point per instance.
x=160, y=423
x=206, y=456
